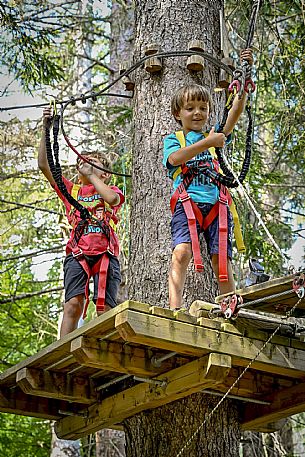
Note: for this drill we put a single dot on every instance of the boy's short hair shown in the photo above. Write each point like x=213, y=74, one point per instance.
x=189, y=92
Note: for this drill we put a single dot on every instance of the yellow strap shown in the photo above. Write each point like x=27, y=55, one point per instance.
x=181, y=138
x=237, y=229
x=75, y=190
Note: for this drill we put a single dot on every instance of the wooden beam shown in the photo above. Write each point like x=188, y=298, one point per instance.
x=284, y=403
x=17, y=402
x=52, y=384
x=53, y=354
x=118, y=357
x=180, y=382
x=193, y=340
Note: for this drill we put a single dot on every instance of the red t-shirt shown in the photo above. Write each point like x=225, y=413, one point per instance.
x=93, y=241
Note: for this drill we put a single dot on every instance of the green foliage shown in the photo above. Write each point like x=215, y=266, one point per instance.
x=277, y=164
x=24, y=436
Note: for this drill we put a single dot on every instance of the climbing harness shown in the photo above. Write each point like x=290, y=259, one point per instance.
x=194, y=214
x=106, y=225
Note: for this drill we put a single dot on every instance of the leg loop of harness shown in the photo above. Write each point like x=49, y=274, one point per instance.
x=101, y=267
x=188, y=206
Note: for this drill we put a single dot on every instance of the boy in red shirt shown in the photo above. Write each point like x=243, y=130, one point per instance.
x=93, y=246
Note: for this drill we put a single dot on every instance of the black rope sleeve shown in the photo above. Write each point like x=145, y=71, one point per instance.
x=56, y=169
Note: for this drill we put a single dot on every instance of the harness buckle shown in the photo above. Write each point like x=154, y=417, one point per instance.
x=78, y=253
x=184, y=197
x=223, y=200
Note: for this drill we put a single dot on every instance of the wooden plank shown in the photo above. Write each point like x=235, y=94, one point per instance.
x=264, y=290
x=117, y=357
x=60, y=349
x=194, y=340
x=253, y=384
x=180, y=382
x=50, y=384
x=284, y=403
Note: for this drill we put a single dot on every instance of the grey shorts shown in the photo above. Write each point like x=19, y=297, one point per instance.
x=75, y=279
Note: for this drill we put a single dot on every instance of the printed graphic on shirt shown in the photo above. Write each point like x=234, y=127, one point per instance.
x=97, y=205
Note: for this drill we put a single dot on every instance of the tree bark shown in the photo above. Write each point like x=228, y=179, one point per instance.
x=163, y=432
x=172, y=24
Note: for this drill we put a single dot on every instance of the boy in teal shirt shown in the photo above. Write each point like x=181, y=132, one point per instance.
x=191, y=108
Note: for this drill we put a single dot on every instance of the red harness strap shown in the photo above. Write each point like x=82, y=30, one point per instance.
x=101, y=267
x=193, y=213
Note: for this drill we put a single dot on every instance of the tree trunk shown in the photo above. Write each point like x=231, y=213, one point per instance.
x=172, y=24
x=164, y=432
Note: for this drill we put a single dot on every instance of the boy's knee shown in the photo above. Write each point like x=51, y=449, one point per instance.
x=182, y=253
x=73, y=308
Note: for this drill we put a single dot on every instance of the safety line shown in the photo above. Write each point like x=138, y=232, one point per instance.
x=288, y=314
x=133, y=67
x=243, y=193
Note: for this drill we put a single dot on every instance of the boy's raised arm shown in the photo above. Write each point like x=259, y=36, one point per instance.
x=92, y=174
x=239, y=103
x=42, y=152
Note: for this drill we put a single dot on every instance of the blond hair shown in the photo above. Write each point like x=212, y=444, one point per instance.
x=186, y=93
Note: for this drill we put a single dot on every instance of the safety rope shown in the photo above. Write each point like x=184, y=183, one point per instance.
x=288, y=314
x=55, y=169
x=242, y=191
x=93, y=95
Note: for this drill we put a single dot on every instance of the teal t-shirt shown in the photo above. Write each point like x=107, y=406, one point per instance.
x=202, y=189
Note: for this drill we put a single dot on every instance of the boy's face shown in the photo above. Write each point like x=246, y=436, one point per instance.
x=193, y=115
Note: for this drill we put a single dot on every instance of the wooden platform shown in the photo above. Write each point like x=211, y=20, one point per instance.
x=110, y=369
x=267, y=291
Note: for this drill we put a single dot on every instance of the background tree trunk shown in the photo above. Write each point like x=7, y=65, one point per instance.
x=172, y=24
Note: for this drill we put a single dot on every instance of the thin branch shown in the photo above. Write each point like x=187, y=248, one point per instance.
x=29, y=295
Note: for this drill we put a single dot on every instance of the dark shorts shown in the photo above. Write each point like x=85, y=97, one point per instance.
x=75, y=279
x=181, y=234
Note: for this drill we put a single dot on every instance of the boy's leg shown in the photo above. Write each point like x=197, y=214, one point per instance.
x=224, y=286
x=73, y=309
x=75, y=279
x=181, y=257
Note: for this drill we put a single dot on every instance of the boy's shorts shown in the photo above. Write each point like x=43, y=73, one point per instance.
x=75, y=279
x=181, y=234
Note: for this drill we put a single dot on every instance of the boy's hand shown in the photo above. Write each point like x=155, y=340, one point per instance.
x=246, y=54
x=47, y=115
x=85, y=169
x=216, y=140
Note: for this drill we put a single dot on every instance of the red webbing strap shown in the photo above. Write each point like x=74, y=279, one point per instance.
x=101, y=267
x=211, y=216
x=102, y=280
x=173, y=200
x=191, y=220
x=223, y=237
